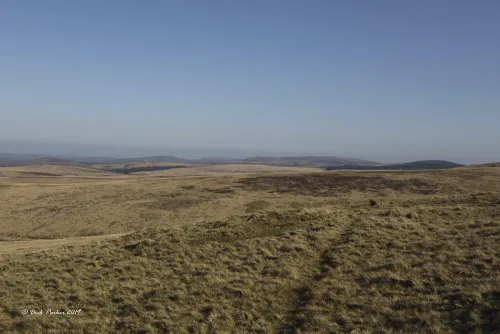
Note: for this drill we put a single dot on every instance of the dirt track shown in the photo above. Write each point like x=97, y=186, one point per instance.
x=12, y=247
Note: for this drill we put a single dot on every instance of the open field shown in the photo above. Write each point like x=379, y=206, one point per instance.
x=221, y=249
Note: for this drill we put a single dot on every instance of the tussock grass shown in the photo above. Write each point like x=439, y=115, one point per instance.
x=316, y=257
x=328, y=184
x=314, y=271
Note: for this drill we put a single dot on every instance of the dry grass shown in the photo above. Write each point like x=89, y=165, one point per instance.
x=50, y=171
x=332, y=184
x=222, y=253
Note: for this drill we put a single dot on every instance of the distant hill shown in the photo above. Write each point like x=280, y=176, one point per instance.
x=492, y=164
x=216, y=160
x=329, y=163
x=301, y=161
x=55, y=161
x=306, y=161
x=415, y=165
x=141, y=169
x=19, y=157
x=7, y=159
x=157, y=158
x=10, y=159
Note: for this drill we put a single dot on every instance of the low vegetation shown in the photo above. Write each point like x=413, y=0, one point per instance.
x=358, y=252
x=415, y=165
x=330, y=184
x=141, y=169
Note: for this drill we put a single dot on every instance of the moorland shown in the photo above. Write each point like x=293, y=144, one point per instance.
x=249, y=248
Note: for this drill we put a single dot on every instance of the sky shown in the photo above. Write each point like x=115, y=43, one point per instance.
x=384, y=80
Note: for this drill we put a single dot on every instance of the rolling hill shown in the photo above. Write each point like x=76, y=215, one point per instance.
x=493, y=164
x=301, y=161
x=415, y=165
x=307, y=161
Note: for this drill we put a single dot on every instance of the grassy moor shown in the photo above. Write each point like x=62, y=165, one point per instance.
x=249, y=249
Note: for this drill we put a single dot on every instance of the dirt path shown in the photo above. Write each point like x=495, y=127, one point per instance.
x=300, y=316
x=17, y=247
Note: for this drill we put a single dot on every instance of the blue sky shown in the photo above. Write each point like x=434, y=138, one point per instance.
x=384, y=80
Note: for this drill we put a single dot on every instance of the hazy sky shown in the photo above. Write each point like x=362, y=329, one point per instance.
x=401, y=79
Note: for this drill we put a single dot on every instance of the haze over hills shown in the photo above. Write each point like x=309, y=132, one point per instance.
x=309, y=161
x=97, y=153
x=157, y=158
x=301, y=161
x=29, y=153
x=329, y=163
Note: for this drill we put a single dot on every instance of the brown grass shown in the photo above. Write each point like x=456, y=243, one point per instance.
x=332, y=184
x=276, y=253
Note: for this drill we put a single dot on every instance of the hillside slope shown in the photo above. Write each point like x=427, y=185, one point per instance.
x=492, y=164
x=354, y=270
x=415, y=165
x=301, y=161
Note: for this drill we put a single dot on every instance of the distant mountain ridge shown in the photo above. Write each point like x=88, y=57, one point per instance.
x=156, y=158
x=328, y=163
x=307, y=161
x=300, y=161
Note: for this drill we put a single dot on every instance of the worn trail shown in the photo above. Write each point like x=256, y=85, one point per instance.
x=16, y=247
